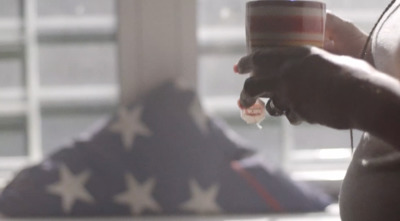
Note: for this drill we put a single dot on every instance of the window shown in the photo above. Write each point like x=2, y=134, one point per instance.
x=306, y=151
x=50, y=49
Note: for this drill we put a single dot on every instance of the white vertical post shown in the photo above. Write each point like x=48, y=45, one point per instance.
x=34, y=134
x=156, y=42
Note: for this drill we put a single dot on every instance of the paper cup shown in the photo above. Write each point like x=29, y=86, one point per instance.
x=276, y=23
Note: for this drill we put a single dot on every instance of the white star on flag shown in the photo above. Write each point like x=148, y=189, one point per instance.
x=202, y=201
x=71, y=188
x=138, y=196
x=129, y=125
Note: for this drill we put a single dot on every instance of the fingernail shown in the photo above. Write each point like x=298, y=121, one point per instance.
x=236, y=68
x=240, y=105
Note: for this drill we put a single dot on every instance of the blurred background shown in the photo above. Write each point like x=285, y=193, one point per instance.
x=59, y=75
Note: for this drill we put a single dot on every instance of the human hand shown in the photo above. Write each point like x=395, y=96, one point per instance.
x=343, y=37
x=306, y=83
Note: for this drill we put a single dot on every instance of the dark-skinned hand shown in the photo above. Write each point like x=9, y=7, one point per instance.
x=311, y=84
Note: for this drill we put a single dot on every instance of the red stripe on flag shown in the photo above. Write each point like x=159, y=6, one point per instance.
x=263, y=192
x=284, y=24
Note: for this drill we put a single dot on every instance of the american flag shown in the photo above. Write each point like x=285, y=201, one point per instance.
x=159, y=156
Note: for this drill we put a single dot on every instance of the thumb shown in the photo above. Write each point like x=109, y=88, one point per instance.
x=333, y=27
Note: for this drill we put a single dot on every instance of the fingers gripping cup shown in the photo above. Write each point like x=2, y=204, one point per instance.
x=283, y=23
x=275, y=23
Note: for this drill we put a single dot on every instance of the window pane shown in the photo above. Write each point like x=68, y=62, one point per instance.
x=11, y=72
x=267, y=141
x=12, y=137
x=216, y=77
x=75, y=7
x=75, y=55
x=12, y=124
x=9, y=8
x=10, y=49
x=312, y=136
x=78, y=63
x=356, y=4
x=63, y=127
x=221, y=12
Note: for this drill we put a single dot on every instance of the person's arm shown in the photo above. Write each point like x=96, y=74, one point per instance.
x=337, y=91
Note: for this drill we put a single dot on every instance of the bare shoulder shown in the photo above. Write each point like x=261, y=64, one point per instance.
x=386, y=43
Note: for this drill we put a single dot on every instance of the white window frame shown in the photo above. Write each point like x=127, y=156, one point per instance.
x=29, y=100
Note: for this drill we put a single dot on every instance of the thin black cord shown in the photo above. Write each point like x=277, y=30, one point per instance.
x=352, y=140
x=364, y=53
x=367, y=42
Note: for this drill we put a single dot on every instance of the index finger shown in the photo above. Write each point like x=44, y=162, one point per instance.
x=255, y=87
x=245, y=65
x=270, y=59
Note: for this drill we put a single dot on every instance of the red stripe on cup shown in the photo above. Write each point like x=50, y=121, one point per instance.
x=285, y=23
x=274, y=43
x=282, y=24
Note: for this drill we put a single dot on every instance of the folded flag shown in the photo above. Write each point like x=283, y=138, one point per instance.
x=160, y=156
